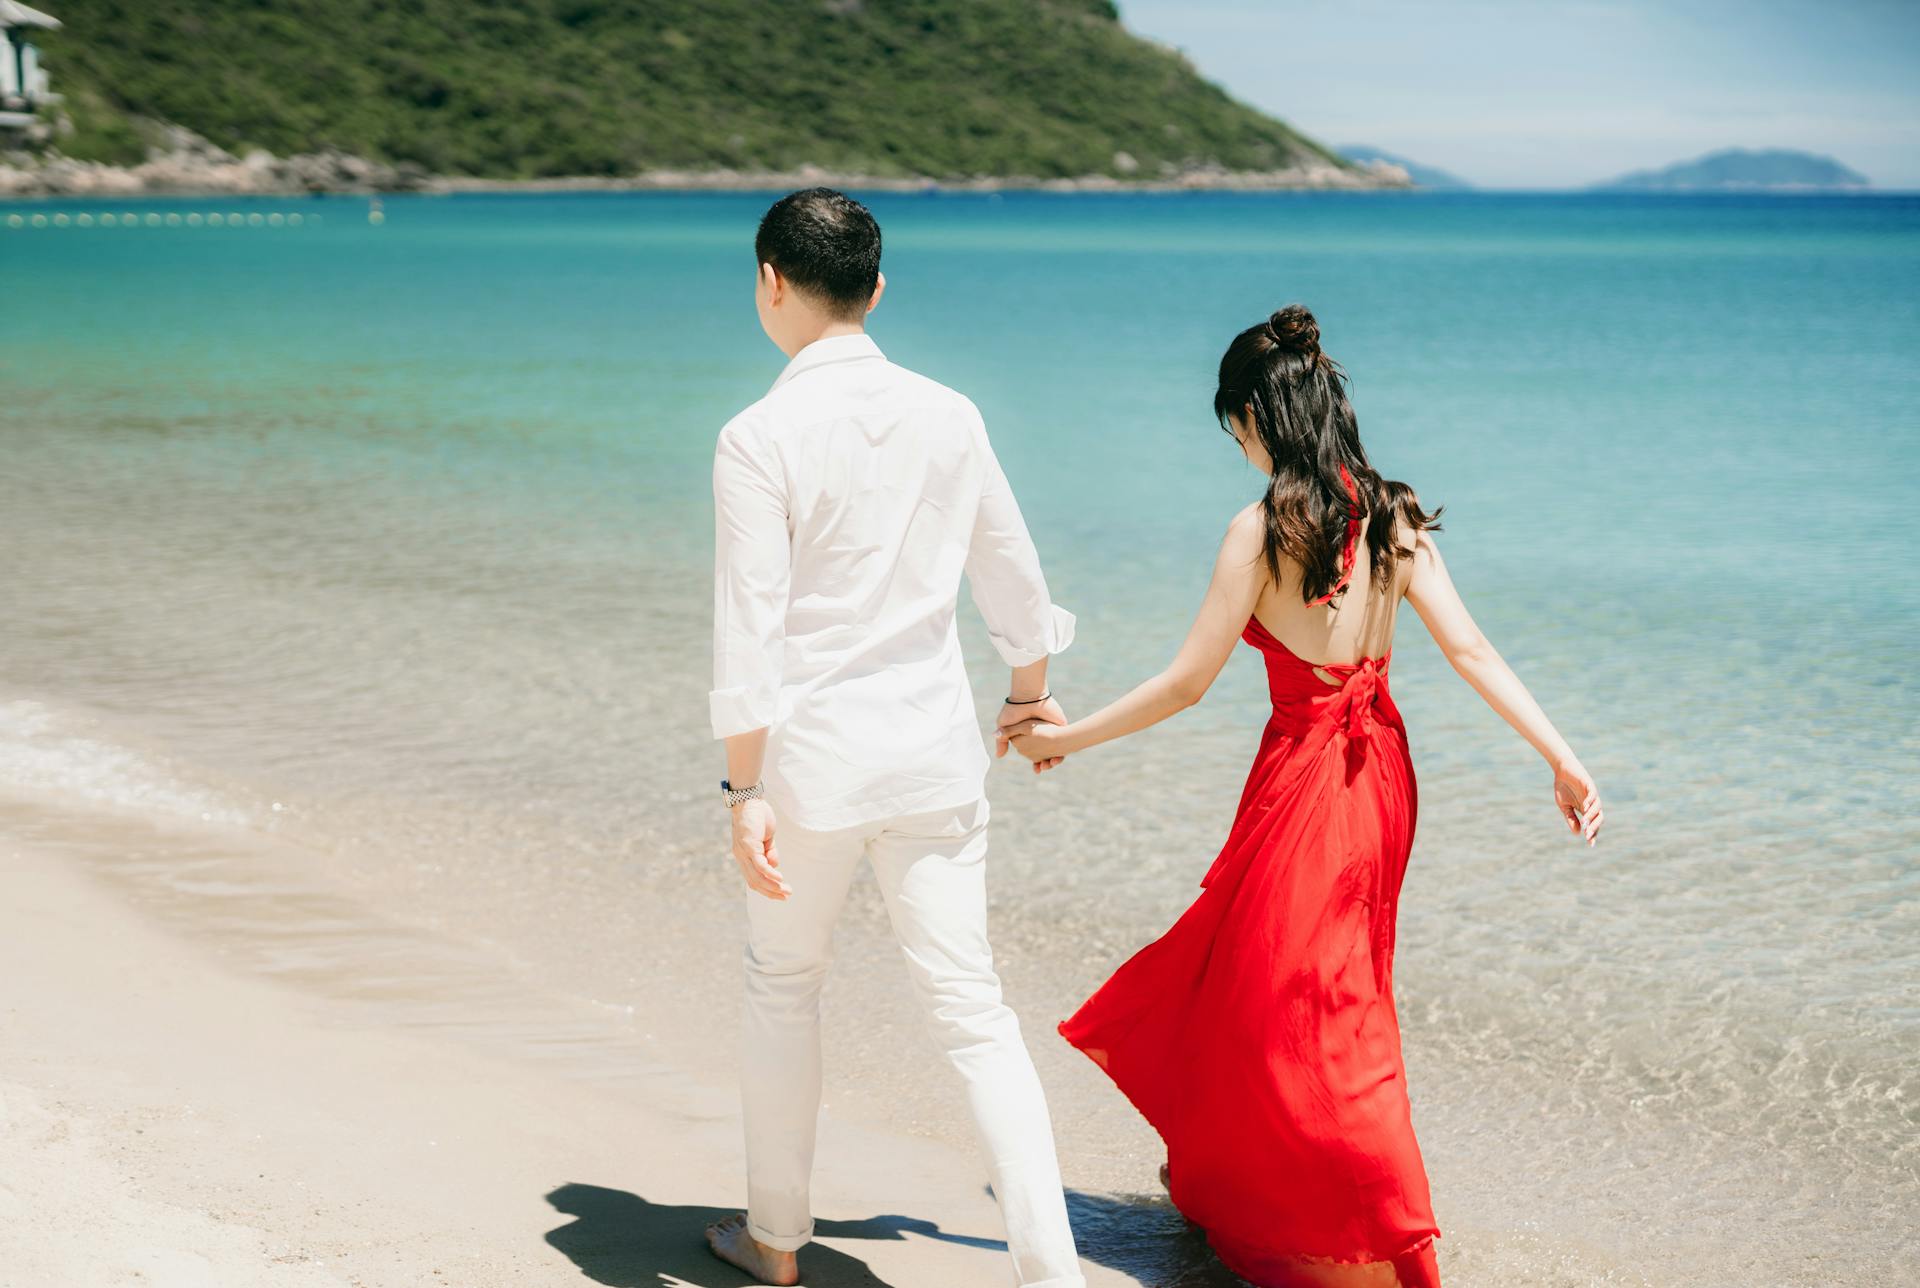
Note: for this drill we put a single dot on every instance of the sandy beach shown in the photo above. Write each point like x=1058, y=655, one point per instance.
x=214, y=1073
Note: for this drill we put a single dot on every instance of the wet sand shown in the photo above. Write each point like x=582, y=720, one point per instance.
x=213, y=1071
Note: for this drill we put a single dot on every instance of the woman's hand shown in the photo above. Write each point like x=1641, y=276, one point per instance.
x=1431, y=592
x=1026, y=713
x=1043, y=743
x=1577, y=799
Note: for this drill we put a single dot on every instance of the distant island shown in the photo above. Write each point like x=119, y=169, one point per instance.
x=1424, y=176
x=364, y=94
x=1736, y=170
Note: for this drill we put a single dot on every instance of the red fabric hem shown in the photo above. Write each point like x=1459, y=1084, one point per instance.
x=1369, y=1260
x=1415, y=1267
x=1363, y=1259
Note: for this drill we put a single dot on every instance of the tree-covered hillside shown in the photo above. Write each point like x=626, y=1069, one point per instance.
x=533, y=88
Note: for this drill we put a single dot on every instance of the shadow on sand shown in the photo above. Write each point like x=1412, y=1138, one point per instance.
x=621, y=1240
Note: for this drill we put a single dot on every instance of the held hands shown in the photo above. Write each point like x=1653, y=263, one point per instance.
x=1015, y=727
x=1577, y=799
x=1042, y=743
x=754, y=851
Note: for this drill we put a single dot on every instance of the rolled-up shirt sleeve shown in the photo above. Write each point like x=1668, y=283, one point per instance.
x=1003, y=569
x=752, y=563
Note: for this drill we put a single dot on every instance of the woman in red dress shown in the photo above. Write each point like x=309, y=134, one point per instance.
x=1258, y=1035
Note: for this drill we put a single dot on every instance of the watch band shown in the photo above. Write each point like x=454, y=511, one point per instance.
x=734, y=795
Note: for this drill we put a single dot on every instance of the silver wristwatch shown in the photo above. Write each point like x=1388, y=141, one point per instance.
x=734, y=795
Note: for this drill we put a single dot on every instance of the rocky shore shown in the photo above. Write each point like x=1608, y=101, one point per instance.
x=184, y=164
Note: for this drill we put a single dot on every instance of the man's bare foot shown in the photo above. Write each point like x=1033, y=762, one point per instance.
x=733, y=1244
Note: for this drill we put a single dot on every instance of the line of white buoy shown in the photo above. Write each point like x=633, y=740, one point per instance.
x=154, y=219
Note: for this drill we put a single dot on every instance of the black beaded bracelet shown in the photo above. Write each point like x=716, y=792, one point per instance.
x=1027, y=702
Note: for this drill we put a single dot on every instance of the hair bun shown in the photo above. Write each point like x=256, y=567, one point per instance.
x=1294, y=328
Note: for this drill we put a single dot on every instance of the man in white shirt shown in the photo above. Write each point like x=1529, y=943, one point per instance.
x=849, y=502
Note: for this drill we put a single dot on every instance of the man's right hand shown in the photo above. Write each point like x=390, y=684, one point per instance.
x=1012, y=714
x=754, y=851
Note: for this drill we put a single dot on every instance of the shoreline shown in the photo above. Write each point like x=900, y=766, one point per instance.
x=188, y=165
x=285, y=1077
x=116, y=181
x=274, y=1086
x=354, y=1052
x=677, y=182
x=1298, y=179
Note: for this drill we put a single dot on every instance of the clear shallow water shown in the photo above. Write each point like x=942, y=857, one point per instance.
x=404, y=530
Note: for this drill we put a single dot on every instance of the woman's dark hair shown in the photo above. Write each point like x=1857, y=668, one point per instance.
x=826, y=244
x=1296, y=397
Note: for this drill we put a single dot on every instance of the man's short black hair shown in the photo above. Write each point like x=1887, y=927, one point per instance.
x=826, y=244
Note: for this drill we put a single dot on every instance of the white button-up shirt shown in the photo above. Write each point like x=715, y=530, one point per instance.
x=848, y=502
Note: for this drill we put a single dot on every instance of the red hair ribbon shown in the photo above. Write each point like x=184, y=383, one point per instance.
x=1350, y=552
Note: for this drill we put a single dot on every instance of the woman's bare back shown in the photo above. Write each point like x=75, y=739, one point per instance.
x=1357, y=623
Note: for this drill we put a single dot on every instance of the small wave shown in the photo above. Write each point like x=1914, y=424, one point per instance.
x=44, y=751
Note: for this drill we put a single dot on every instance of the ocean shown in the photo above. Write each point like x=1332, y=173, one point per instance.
x=387, y=546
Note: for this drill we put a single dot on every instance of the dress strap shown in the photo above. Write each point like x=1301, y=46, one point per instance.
x=1349, y=552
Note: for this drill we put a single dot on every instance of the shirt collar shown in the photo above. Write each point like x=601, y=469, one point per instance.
x=833, y=349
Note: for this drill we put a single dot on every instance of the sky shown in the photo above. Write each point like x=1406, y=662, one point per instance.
x=1563, y=93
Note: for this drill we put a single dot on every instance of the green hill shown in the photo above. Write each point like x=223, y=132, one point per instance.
x=540, y=88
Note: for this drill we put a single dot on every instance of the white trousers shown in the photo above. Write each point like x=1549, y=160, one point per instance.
x=932, y=873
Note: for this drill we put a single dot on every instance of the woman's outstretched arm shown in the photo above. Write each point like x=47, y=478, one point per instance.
x=1432, y=594
x=1238, y=574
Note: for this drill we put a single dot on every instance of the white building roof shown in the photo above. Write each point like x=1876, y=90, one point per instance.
x=15, y=14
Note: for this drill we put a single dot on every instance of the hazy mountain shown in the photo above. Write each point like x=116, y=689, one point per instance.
x=1739, y=170
x=1425, y=175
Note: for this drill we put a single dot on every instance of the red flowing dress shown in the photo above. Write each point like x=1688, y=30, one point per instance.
x=1258, y=1035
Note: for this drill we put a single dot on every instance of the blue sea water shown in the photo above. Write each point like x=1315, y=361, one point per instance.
x=395, y=537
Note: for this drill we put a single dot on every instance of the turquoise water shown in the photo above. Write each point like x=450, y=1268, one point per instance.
x=394, y=539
